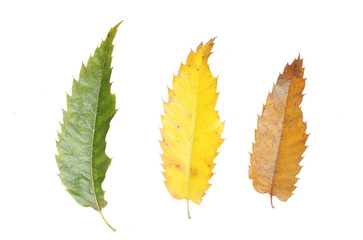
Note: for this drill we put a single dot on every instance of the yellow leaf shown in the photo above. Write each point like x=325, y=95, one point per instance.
x=191, y=128
x=280, y=136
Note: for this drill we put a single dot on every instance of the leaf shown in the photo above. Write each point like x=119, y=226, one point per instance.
x=191, y=128
x=280, y=136
x=81, y=158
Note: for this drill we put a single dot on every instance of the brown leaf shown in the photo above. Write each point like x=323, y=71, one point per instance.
x=280, y=136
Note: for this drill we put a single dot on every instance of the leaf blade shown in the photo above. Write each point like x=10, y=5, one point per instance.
x=280, y=136
x=191, y=128
x=81, y=158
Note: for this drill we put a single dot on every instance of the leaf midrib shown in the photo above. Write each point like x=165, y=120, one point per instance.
x=93, y=135
x=279, y=147
x=192, y=140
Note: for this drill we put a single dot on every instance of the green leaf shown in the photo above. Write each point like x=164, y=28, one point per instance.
x=81, y=158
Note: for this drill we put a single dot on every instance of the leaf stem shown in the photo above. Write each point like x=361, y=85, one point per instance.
x=271, y=200
x=104, y=219
x=188, y=209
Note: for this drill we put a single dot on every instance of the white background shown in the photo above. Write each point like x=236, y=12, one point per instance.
x=42, y=46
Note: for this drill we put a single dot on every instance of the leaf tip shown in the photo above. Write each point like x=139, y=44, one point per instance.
x=118, y=24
